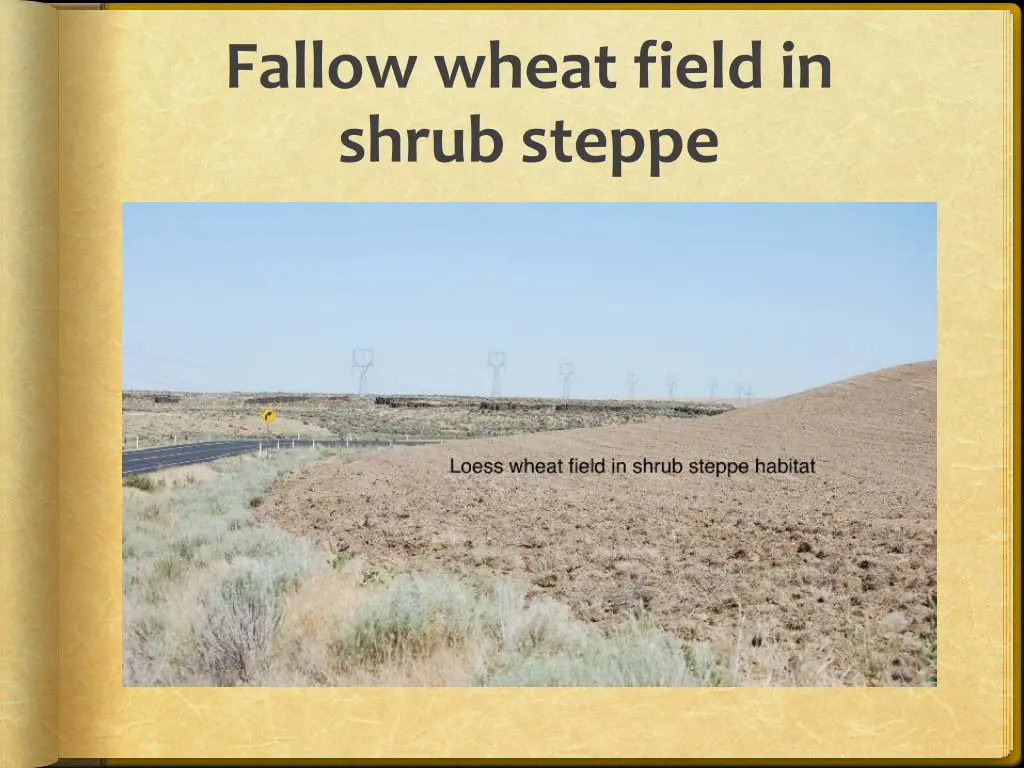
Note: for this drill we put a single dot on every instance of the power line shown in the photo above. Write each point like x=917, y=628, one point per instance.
x=565, y=370
x=496, y=361
x=362, y=359
x=631, y=381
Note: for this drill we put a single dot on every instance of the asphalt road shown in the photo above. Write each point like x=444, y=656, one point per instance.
x=151, y=459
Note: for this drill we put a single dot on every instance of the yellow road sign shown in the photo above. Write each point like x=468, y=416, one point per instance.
x=268, y=415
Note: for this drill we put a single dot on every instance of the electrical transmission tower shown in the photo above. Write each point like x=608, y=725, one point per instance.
x=565, y=370
x=750, y=395
x=739, y=391
x=631, y=380
x=670, y=382
x=496, y=361
x=362, y=359
x=712, y=386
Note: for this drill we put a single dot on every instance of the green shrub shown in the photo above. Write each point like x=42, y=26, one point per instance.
x=416, y=617
x=631, y=656
x=239, y=621
x=140, y=482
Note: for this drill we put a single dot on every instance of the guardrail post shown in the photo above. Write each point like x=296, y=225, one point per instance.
x=261, y=450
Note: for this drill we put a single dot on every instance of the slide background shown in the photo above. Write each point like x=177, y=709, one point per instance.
x=920, y=109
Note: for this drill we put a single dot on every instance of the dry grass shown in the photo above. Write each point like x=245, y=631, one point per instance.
x=346, y=629
x=164, y=425
x=201, y=582
x=203, y=416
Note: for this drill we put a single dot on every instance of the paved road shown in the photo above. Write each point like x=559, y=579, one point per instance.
x=152, y=459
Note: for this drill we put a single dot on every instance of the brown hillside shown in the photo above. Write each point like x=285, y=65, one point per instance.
x=822, y=577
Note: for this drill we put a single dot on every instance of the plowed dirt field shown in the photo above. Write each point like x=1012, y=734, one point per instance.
x=822, y=578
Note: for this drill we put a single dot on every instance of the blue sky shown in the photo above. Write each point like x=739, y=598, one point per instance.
x=275, y=296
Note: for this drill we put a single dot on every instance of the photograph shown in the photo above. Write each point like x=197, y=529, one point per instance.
x=529, y=444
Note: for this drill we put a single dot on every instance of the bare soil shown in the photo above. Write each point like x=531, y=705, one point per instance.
x=817, y=578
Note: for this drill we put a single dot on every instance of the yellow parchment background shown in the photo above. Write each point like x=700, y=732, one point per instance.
x=919, y=110
x=28, y=384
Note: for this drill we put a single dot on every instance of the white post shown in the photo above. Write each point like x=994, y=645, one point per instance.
x=261, y=450
x=314, y=443
x=300, y=435
x=279, y=444
x=293, y=442
x=136, y=442
x=174, y=439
